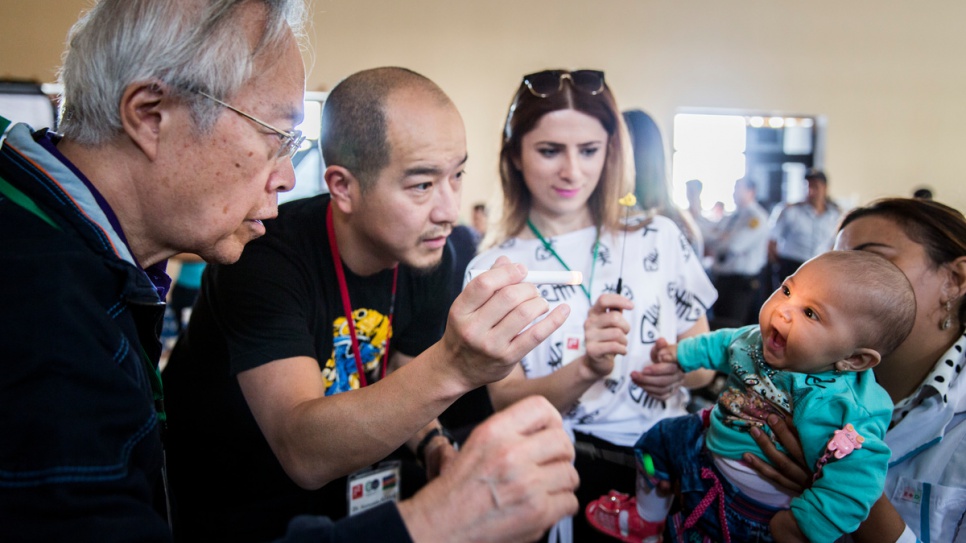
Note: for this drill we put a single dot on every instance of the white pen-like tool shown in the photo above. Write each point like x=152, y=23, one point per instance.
x=545, y=277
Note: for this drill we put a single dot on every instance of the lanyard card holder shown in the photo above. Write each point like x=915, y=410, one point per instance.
x=373, y=486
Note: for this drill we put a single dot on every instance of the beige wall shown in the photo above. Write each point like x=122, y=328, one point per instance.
x=888, y=75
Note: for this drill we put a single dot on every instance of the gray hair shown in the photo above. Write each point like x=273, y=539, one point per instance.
x=189, y=45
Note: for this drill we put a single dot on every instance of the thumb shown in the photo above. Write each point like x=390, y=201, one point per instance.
x=660, y=344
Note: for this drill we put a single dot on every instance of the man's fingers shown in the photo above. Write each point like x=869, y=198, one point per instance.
x=511, y=310
x=480, y=290
x=559, y=505
x=548, y=446
x=526, y=341
x=563, y=480
x=525, y=417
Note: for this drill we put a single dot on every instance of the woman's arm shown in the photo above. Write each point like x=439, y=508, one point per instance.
x=883, y=524
x=789, y=471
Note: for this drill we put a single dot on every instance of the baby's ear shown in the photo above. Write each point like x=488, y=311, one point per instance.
x=860, y=360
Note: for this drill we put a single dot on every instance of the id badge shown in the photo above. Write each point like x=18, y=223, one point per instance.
x=573, y=348
x=370, y=487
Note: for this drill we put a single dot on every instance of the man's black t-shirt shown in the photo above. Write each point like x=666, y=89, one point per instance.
x=280, y=300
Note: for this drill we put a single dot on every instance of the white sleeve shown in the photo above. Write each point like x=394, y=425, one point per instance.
x=907, y=537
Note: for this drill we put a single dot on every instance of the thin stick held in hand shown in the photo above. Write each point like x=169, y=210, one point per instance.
x=628, y=202
x=545, y=277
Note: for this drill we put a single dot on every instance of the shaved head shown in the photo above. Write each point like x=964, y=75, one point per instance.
x=354, y=119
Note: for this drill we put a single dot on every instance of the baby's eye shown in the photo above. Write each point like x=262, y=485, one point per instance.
x=811, y=314
x=785, y=291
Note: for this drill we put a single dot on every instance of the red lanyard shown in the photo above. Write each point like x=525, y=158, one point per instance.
x=347, y=304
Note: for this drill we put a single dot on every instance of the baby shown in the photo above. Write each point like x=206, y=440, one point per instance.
x=830, y=321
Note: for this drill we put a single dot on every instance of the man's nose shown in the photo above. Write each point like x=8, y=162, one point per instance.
x=282, y=177
x=446, y=210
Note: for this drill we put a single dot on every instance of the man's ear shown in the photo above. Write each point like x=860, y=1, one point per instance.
x=142, y=112
x=860, y=360
x=343, y=186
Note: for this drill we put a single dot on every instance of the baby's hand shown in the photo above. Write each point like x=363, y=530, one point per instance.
x=664, y=353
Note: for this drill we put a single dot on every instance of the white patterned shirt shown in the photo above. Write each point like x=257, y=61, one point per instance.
x=670, y=291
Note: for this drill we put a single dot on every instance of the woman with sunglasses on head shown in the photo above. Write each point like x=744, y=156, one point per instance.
x=925, y=491
x=563, y=171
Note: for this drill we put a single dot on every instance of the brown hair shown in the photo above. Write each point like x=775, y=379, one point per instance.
x=526, y=110
x=938, y=228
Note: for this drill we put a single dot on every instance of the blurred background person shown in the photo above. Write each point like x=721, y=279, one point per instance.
x=739, y=247
x=651, y=185
x=694, y=188
x=804, y=229
x=480, y=220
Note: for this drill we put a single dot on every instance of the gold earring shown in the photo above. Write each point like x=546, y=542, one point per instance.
x=947, y=321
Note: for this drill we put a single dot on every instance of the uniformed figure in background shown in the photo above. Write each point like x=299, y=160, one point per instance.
x=805, y=229
x=739, y=246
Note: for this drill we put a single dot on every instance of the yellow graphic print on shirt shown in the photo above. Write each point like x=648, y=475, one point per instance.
x=372, y=331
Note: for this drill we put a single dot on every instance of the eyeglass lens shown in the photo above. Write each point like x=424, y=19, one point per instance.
x=290, y=144
x=291, y=141
x=543, y=84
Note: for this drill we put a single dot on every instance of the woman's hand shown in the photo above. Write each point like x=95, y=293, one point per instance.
x=664, y=377
x=605, y=333
x=786, y=470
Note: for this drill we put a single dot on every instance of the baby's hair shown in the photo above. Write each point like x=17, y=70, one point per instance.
x=886, y=296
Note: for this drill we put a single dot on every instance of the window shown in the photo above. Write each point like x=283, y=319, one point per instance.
x=720, y=147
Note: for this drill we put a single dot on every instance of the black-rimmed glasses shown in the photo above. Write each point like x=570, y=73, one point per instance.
x=543, y=84
x=291, y=141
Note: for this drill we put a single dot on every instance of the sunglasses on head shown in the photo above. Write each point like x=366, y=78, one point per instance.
x=543, y=84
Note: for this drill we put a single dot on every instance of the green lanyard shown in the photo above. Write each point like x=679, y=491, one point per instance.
x=549, y=247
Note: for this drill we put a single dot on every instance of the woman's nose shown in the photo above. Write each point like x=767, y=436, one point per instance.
x=570, y=169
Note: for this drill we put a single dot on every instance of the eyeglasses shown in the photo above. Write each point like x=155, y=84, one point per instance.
x=291, y=141
x=546, y=83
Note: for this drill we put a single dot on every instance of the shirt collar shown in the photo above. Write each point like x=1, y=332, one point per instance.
x=156, y=272
x=940, y=379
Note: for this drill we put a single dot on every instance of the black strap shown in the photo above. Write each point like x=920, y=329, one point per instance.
x=424, y=442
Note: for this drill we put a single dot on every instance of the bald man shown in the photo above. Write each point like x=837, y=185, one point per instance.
x=322, y=350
